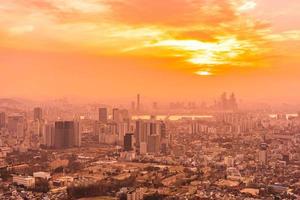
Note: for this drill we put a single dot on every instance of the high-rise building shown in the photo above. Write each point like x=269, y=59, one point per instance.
x=146, y=128
x=138, y=102
x=232, y=102
x=138, y=130
x=103, y=115
x=2, y=119
x=116, y=116
x=67, y=134
x=37, y=113
x=163, y=130
x=226, y=103
x=143, y=148
x=153, y=144
x=16, y=125
x=49, y=135
x=263, y=155
x=129, y=142
x=142, y=129
x=124, y=115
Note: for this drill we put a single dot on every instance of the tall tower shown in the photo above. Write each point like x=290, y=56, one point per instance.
x=67, y=134
x=233, y=102
x=138, y=102
x=37, y=114
x=129, y=142
x=116, y=115
x=224, y=101
x=263, y=155
x=103, y=115
x=49, y=135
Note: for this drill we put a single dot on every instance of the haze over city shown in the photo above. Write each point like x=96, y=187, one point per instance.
x=149, y=99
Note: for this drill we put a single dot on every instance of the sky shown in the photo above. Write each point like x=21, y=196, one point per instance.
x=163, y=49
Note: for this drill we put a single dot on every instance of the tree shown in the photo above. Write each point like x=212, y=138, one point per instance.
x=41, y=185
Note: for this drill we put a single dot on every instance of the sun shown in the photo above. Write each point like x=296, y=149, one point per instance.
x=203, y=73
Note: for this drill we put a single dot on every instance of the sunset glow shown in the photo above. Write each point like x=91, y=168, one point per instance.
x=204, y=73
x=175, y=37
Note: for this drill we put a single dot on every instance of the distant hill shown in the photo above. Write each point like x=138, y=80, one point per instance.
x=9, y=101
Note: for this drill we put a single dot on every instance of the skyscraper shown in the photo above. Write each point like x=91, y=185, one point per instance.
x=128, y=142
x=262, y=155
x=138, y=102
x=37, y=113
x=2, y=119
x=67, y=134
x=153, y=144
x=116, y=116
x=16, y=125
x=103, y=115
x=142, y=129
x=138, y=130
x=233, y=102
x=49, y=135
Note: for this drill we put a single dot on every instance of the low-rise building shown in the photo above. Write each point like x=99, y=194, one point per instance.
x=43, y=175
x=27, y=181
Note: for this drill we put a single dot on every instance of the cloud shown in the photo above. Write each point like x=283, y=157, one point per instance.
x=248, y=5
x=21, y=29
x=172, y=12
x=293, y=35
x=199, y=32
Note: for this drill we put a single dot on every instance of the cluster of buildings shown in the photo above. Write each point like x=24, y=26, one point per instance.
x=139, y=136
x=228, y=155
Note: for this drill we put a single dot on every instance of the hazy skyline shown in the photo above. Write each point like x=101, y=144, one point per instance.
x=185, y=49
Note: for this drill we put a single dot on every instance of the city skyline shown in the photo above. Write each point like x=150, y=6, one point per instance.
x=116, y=49
x=149, y=99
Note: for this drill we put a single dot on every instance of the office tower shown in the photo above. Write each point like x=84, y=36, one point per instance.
x=228, y=103
x=232, y=102
x=153, y=144
x=49, y=135
x=124, y=114
x=116, y=116
x=148, y=128
x=143, y=148
x=138, y=102
x=163, y=138
x=128, y=141
x=142, y=129
x=163, y=130
x=2, y=119
x=263, y=155
x=37, y=113
x=103, y=115
x=37, y=128
x=138, y=131
x=16, y=125
x=67, y=134
x=109, y=133
x=153, y=127
x=224, y=101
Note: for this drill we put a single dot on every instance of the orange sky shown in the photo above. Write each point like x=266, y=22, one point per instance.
x=164, y=49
